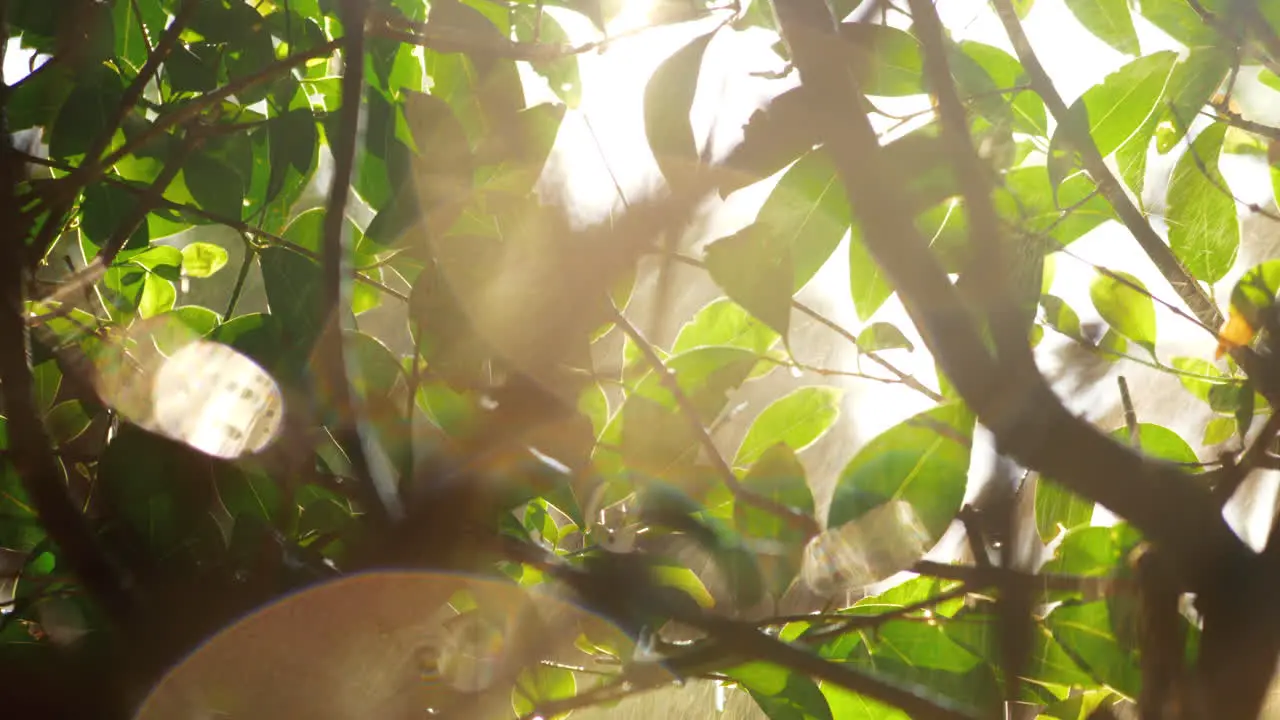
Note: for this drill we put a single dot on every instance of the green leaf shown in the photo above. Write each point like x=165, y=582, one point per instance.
x=202, y=259
x=294, y=142
x=1180, y=21
x=1159, y=442
x=779, y=477
x=1110, y=21
x=795, y=420
x=753, y=266
x=724, y=322
x=1204, y=231
x=668, y=98
x=684, y=579
x=294, y=287
x=780, y=693
x=133, y=20
x=883, y=336
x=214, y=185
x=923, y=461
x=158, y=296
x=1085, y=633
x=774, y=137
x=867, y=285
x=192, y=67
x=1192, y=85
x=1270, y=79
x=651, y=431
x=561, y=74
x=105, y=208
x=541, y=684
x=1127, y=307
x=1057, y=506
x=1093, y=551
x=1060, y=316
x=1005, y=72
x=886, y=61
x=1219, y=430
x=1111, y=111
x=848, y=704
x=252, y=494
x=87, y=113
x=808, y=213
x=1255, y=292
x=46, y=380
x=66, y=421
x=155, y=498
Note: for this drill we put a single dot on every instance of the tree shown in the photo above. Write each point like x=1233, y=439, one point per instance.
x=325, y=523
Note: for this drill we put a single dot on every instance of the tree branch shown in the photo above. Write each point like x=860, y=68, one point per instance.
x=1170, y=267
x=132, y=94
x=383, y=501
x=796, y=519
x=1028, y=420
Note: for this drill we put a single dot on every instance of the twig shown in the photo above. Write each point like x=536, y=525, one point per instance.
x=250, y=254
x=1130, y=415
x=857, y=623
x=1235, y=119
x=796, y=519
x=1170, y=267
x=1254, y=457
x=903, y=377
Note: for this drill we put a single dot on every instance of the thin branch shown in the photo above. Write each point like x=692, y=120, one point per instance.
x=743, y=639
x=146, y=201
x=796, y=519
x=903, y=377
x=992, y=262
x=1170, y=267
x=383, y=503
x=440, y=37
x=1254, y=457
x=1235, y=119
x=858, y=623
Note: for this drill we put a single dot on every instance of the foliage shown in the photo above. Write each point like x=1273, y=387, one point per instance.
x=469, y=447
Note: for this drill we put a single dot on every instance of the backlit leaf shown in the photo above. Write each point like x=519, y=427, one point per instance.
x=1204, y=231
x=1109, y=20
x=796, y=420
x=667, y=100
x=1126, y=306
